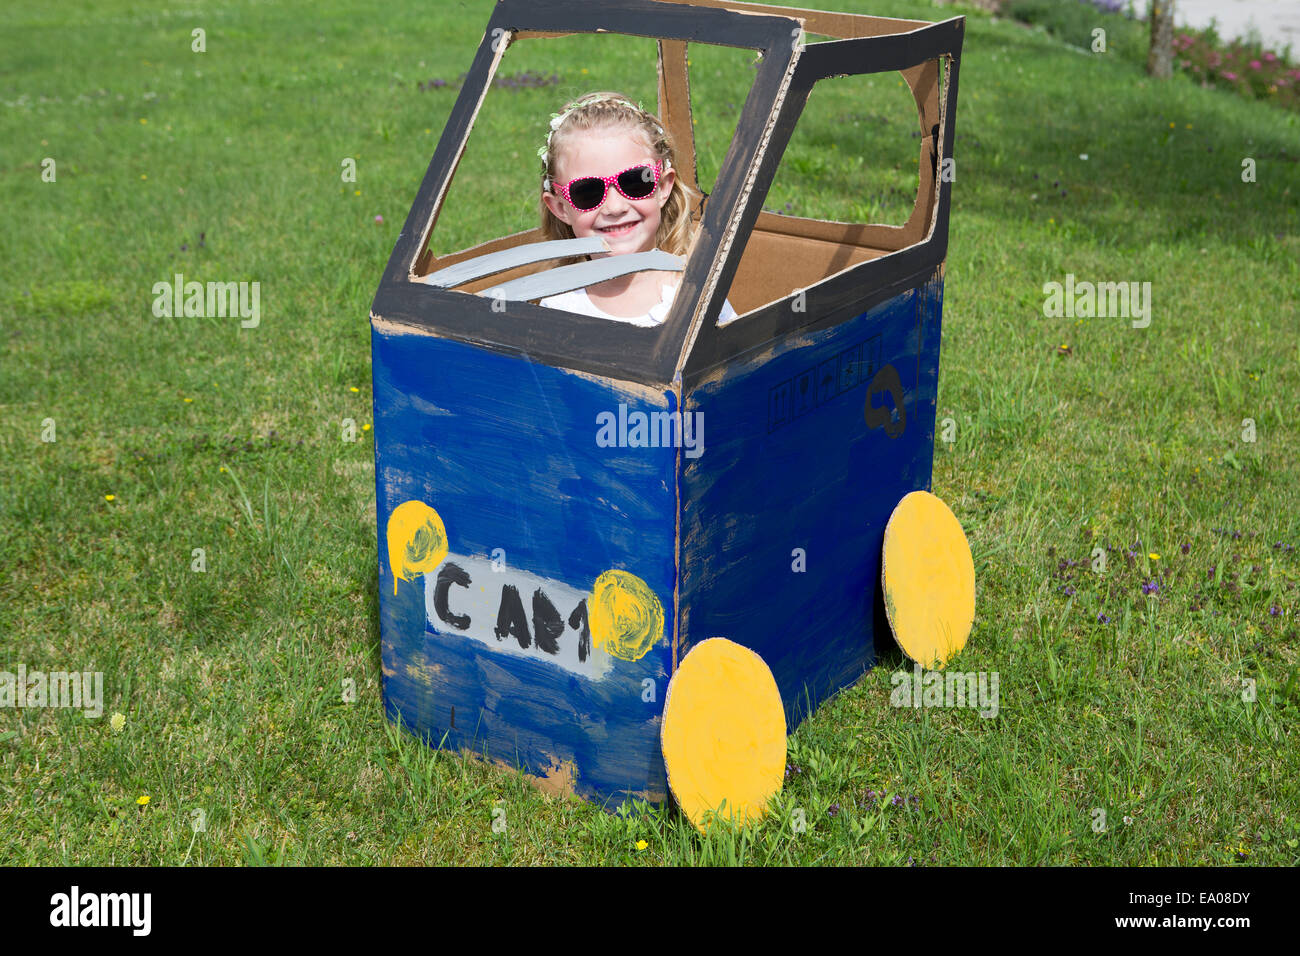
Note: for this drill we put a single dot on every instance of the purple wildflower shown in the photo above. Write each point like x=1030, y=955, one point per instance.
x=1151, y=587
x=1274, y=611
x=1102, y=618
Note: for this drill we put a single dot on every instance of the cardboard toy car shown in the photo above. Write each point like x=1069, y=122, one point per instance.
x=539, y=586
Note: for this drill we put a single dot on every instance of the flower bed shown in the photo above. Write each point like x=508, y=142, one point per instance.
x=1241, y=65
x=1245, y=67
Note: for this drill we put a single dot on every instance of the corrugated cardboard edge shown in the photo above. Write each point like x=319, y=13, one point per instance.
x=729, y=235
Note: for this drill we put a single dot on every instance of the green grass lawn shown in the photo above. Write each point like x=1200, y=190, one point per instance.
x=1070, y=434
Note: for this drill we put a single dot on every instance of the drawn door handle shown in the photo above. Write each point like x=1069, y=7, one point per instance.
x=886, y=380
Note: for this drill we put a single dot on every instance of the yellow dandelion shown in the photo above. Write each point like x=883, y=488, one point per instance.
x=366, y=427
x=641, y=844
x=223, y=469
x=584, y=70
x=143, y=121
x=357, y=193
x=110, y=497
x=1153, y=556
x=143, y=176
x=143, y=801
x=188, y=400
x=354, y=389
x=1172, y=125
x=117, y=722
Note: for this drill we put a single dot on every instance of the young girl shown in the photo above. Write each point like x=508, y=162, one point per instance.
x=608, y=171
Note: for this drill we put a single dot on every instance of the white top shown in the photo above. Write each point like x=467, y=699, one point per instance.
x=578, y=301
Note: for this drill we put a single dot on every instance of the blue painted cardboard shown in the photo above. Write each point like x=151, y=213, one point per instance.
x=784, y=516
x=505, y=451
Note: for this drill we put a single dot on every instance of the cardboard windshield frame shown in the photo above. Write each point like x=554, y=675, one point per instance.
x=860, y=287
x=557, y=337
x=689, y=340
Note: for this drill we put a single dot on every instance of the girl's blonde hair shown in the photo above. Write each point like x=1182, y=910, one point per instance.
x=606, y=111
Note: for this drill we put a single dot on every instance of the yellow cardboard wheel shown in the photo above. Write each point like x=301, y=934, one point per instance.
x=929, y=580
x=723, y=733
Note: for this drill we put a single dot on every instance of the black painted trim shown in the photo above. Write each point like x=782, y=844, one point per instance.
x=652, y=355
x=599, y=346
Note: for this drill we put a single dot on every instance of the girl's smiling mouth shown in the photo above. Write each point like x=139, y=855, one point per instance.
x=620, y=229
